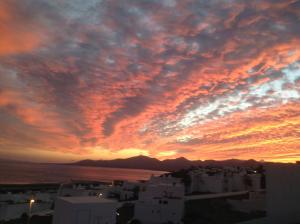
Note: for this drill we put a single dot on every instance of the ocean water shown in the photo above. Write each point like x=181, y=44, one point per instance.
x=28, y=173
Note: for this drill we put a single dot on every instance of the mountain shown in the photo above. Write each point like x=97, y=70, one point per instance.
x=144, y=162
x=137, y=162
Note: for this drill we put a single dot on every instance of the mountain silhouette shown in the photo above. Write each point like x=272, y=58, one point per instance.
x=148, y=163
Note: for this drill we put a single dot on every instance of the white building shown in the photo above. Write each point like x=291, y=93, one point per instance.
x=237, y=181
x=16, y=198
x=126, y=195
x=25, y=197
x=215, y=183
x=161, y=200
x=85, y=189
x=283, y=193
x=13, y=211
x=201, y=181
x=255, y=182
x=197, y=183
x=125, y=190
x=84, y=210
x=221, y=180
x=13, y=206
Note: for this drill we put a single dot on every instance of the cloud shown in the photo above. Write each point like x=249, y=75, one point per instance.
x=25, y=27
x=131, y=107
x=171, y=78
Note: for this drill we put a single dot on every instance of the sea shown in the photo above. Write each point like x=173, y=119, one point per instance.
x=35, y=173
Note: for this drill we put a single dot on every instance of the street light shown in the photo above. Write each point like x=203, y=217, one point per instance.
x=31, y=202
x=30, y=205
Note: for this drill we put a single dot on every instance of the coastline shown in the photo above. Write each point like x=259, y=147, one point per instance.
x=18, y=175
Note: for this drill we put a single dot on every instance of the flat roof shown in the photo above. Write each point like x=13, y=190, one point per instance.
x=86, y=200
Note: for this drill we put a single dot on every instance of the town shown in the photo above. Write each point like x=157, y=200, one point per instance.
x=149, y=111
x=265, y=194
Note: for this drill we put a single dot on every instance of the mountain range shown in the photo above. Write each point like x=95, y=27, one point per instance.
x=148, y=163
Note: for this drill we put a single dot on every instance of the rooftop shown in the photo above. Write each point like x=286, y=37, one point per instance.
x=86, y=200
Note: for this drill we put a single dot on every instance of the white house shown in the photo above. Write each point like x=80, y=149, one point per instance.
x=16, y=210
x=223, y=180
x=255, y=182
x=214, y=183
x=85, y=210
x=197, y=184
x=12, y=206
x=125, y=189
x=16, y=198
x=76, y=190
x=237, y=181
x=161, y=200
x=202, y=181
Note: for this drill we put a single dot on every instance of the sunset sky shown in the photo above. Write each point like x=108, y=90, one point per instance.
x=102, y=79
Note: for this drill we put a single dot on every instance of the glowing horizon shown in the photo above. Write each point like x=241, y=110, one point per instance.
x=107, y=79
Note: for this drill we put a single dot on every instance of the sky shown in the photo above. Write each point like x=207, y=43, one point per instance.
x=104, y=79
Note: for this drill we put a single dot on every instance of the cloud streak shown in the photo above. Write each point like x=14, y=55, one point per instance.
x=201, y=79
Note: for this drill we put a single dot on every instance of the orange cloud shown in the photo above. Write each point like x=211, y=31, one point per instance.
x=19, y=34
x=200, y=79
